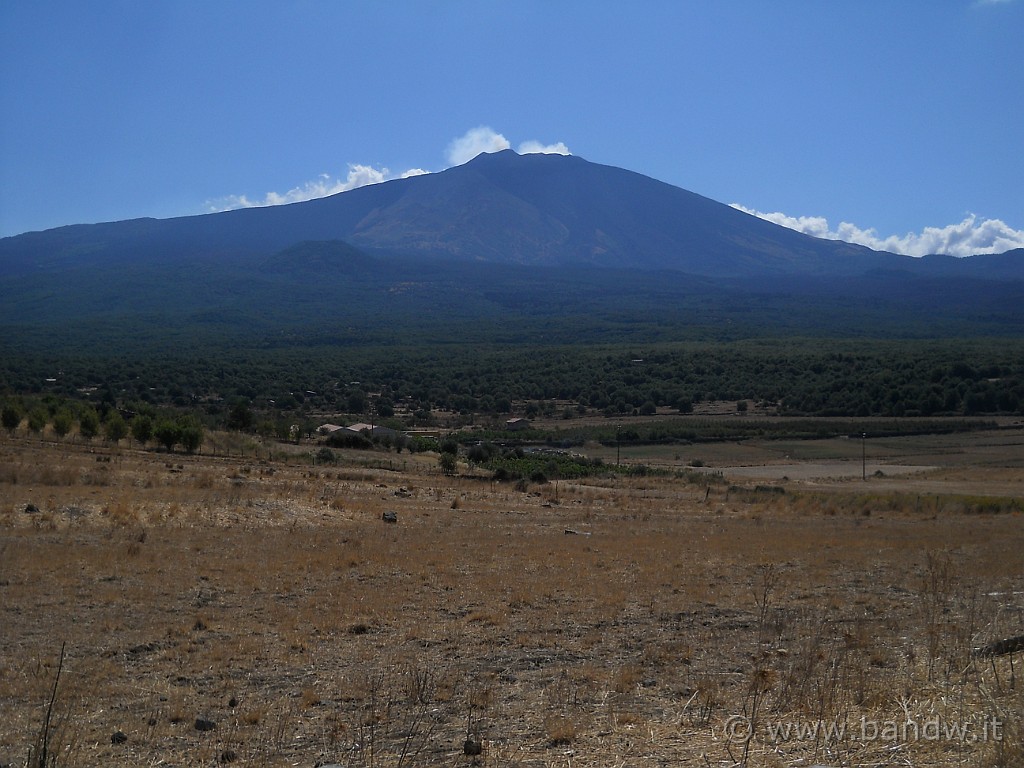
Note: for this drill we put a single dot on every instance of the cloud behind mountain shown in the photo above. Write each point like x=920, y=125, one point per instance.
x=967, y=238
x=460, y=150
x=973, y=235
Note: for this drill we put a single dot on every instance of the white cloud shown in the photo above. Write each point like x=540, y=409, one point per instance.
x=322, y=186
x=536, y=148
x=473, y=142
x=485, y=139
x=971, y=236
x=460, y=150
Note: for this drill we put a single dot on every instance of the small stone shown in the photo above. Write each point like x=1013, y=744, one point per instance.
x=389, y=517
x=203, y=724
x=31, y=509
x=118, y=737
x=233, y=702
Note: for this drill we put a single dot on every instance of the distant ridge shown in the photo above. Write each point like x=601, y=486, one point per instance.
x=542, y=210
x=557, y=244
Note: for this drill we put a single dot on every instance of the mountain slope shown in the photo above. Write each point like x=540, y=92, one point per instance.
x=505, y=241
x=532, y=209
x=555, y=210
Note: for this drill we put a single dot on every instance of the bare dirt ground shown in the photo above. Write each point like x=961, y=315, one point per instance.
x=985, y=462
x=223, y=611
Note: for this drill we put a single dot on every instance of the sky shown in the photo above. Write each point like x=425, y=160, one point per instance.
x=899, y=125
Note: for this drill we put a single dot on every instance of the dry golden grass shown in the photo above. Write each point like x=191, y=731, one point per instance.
x=270, y=599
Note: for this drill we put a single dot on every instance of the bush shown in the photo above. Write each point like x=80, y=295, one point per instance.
x=448, y=463
x=347, y=440
x=325, y=456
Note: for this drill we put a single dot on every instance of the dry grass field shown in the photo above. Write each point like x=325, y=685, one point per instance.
x=219, y=611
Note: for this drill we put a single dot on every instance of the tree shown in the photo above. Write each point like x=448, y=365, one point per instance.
x=448, y=463
x=37, y=419
x=10, y=416
x=190, y=433
x=240, y=419
x=167, y=433
x=481, y=453
x=358, y=401
x=142, y=428
x=115, y=428
x=88, y=422
x=62, y=421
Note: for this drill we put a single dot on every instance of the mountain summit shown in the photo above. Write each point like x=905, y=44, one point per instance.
x=558, y=210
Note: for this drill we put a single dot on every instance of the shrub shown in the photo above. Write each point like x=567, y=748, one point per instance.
x=448, y=463
x=348, y=440
x=325, y=456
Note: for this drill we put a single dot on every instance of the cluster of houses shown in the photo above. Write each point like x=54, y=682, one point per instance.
x=359, y=429
x=377, y=431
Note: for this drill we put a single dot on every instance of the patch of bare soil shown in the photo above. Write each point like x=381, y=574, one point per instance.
x=223, y=611
x=988, y=463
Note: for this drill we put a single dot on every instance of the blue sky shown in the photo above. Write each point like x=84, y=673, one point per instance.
x=863, y=119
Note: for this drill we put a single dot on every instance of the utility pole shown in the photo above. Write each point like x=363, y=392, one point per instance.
x=863, y=456
x=618, y=445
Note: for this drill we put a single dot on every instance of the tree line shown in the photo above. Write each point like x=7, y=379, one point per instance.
x=276, y=392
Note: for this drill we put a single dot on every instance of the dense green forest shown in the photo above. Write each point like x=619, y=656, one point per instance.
x=271, y=389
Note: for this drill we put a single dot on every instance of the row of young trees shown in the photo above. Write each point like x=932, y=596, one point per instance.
x=62, y=418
